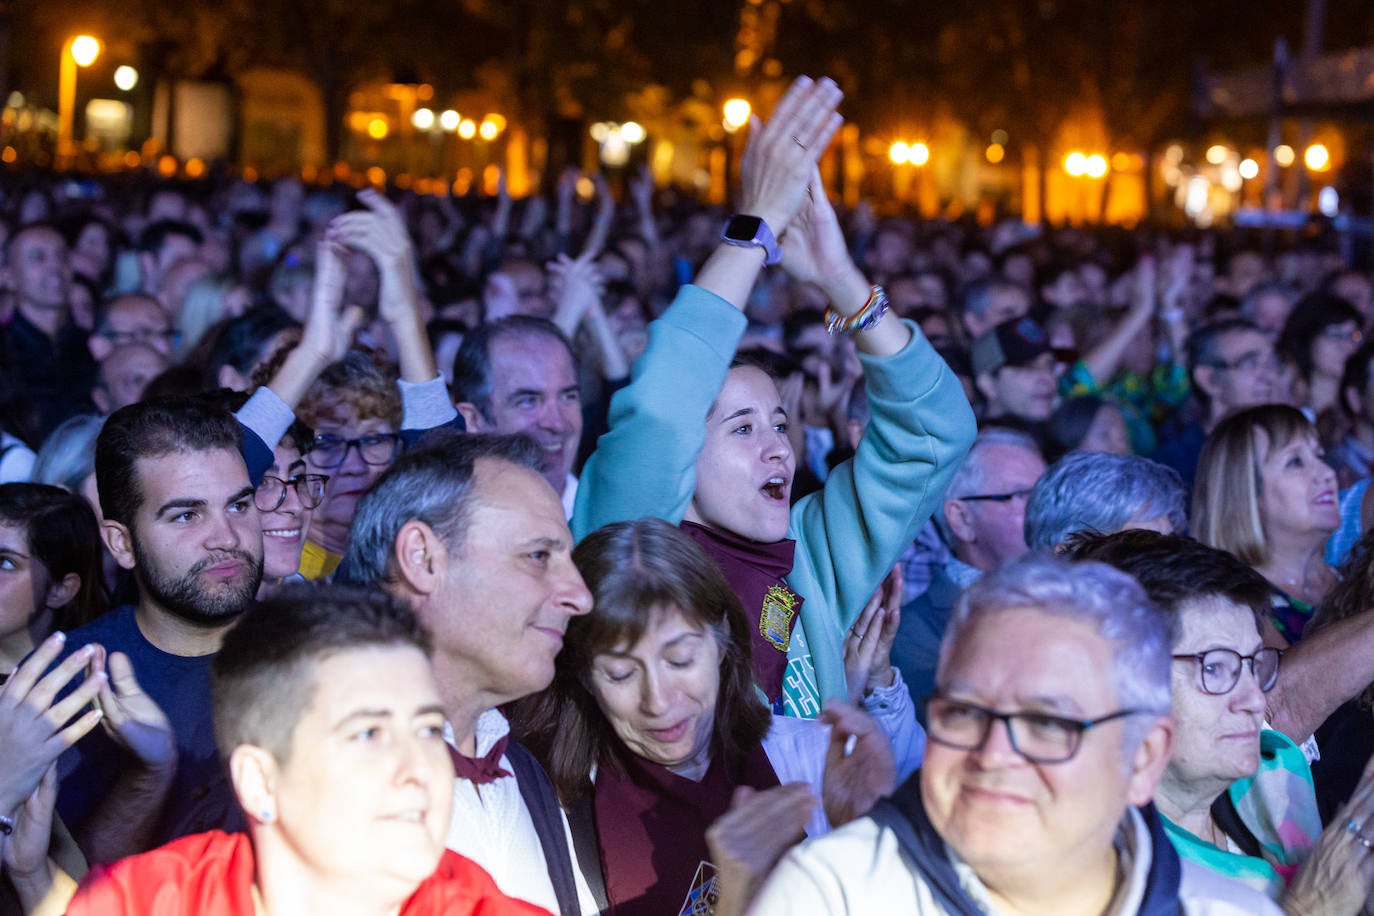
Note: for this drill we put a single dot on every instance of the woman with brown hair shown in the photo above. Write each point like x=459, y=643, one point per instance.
x=659, y=744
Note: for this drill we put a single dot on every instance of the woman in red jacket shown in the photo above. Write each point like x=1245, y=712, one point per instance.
x=332, y=724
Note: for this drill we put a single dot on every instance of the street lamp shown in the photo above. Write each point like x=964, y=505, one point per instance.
x=125, y=78
x=736, y=112
x=78, y=51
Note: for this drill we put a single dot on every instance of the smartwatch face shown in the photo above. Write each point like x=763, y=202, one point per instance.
x=743, y=228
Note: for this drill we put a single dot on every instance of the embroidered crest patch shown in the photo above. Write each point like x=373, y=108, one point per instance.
x=775, y=619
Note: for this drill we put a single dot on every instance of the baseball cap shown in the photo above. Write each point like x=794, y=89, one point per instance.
x=1011, y=343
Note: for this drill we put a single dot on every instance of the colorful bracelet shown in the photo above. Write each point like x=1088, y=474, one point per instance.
x=864, y=319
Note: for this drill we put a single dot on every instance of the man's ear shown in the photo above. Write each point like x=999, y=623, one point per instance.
x=1350, y=400
x=472, y=417
x=119, y=540
x=986, y=386
x=956, y=513
x=100, y=398
x=62, y=591
x=1204, y=377
x=100, y=347
x=253, y=770
x=420, y=556
x=1149, y=761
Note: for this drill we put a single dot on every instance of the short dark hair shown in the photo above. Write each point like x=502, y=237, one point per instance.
x=61, y=533
x=1174, y=569
x=1202, y=348
x=431, y=483
x=634, y=570
x=261, y=677
x=1356, y=374
x=153, y=237
x=153, y=429
x=239, y=342
x=472, y=365
x=1313, y=314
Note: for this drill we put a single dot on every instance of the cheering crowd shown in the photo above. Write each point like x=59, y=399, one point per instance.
x=368, y=553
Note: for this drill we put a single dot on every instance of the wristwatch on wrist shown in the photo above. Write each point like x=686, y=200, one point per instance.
x=752, y=232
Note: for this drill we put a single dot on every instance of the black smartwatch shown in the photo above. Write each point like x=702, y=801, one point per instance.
x=752, y=232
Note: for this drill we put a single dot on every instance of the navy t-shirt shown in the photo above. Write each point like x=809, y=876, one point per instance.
x=201, y=797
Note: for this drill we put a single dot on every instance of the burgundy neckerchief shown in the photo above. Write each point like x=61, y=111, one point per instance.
x=755, y=572
x=651, y=826
x=480, y=770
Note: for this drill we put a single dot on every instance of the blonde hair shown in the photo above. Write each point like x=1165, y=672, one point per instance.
x=1228, y=490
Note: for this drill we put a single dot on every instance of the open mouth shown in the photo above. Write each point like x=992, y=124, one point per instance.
x=289, y=534
x=775, y=488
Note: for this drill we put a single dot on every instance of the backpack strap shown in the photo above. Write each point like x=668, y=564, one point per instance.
x=921, y=847
x=542, y=803
x=582, y=820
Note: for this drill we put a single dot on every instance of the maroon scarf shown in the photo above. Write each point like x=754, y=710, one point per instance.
x=755, y=572
x=651, y=826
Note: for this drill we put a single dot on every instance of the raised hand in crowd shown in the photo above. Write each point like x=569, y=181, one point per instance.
x=576, y=285
x=815, y=251
x=868, y=644
x=641, y=188
x=329, y=328
x=603, y=220
x=380, y=233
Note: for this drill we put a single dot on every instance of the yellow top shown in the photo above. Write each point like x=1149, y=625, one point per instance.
x=317, y=562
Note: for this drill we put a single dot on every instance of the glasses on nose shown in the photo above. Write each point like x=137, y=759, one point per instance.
x=271, y=493
x=138, y=335
x=1337, y=334
x=377, y=448
x=1023, y=493
x=1038, y=737
x=1250, y=362
x=1221, y=668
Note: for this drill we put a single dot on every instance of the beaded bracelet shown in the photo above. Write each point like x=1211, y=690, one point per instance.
x=864, y=319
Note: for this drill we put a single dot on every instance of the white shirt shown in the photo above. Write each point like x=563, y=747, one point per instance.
x=859, y=869
x=491, y=826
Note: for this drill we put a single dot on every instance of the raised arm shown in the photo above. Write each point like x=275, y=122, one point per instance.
x=658, y=421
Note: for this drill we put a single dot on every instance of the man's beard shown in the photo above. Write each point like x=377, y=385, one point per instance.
x=187, y=597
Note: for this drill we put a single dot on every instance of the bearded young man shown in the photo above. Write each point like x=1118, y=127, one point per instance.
x=179, y=515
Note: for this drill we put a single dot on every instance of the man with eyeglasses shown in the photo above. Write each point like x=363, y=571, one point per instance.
x=1048, y=735
x=982, y=520
x=1231, y=365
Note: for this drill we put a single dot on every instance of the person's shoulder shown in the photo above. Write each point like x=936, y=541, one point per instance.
x=205, y=873
x=1203, y=892
x=459, y=886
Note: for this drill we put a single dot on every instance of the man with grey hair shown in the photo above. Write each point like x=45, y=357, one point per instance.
x=466, y=530
x=982, y=519
x=1102, y=493
x=1048, y=735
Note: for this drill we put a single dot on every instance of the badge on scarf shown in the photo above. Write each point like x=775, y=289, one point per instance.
x=705, y=893
x=775, y=620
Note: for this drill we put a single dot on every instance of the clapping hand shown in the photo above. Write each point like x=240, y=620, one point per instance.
x=868, y=645
x=134, y=720
x=749, y=839
x=781, y=157
x=35, y=727
x=859, y=767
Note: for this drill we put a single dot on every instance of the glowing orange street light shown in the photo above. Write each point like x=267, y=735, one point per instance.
x=78, y=51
